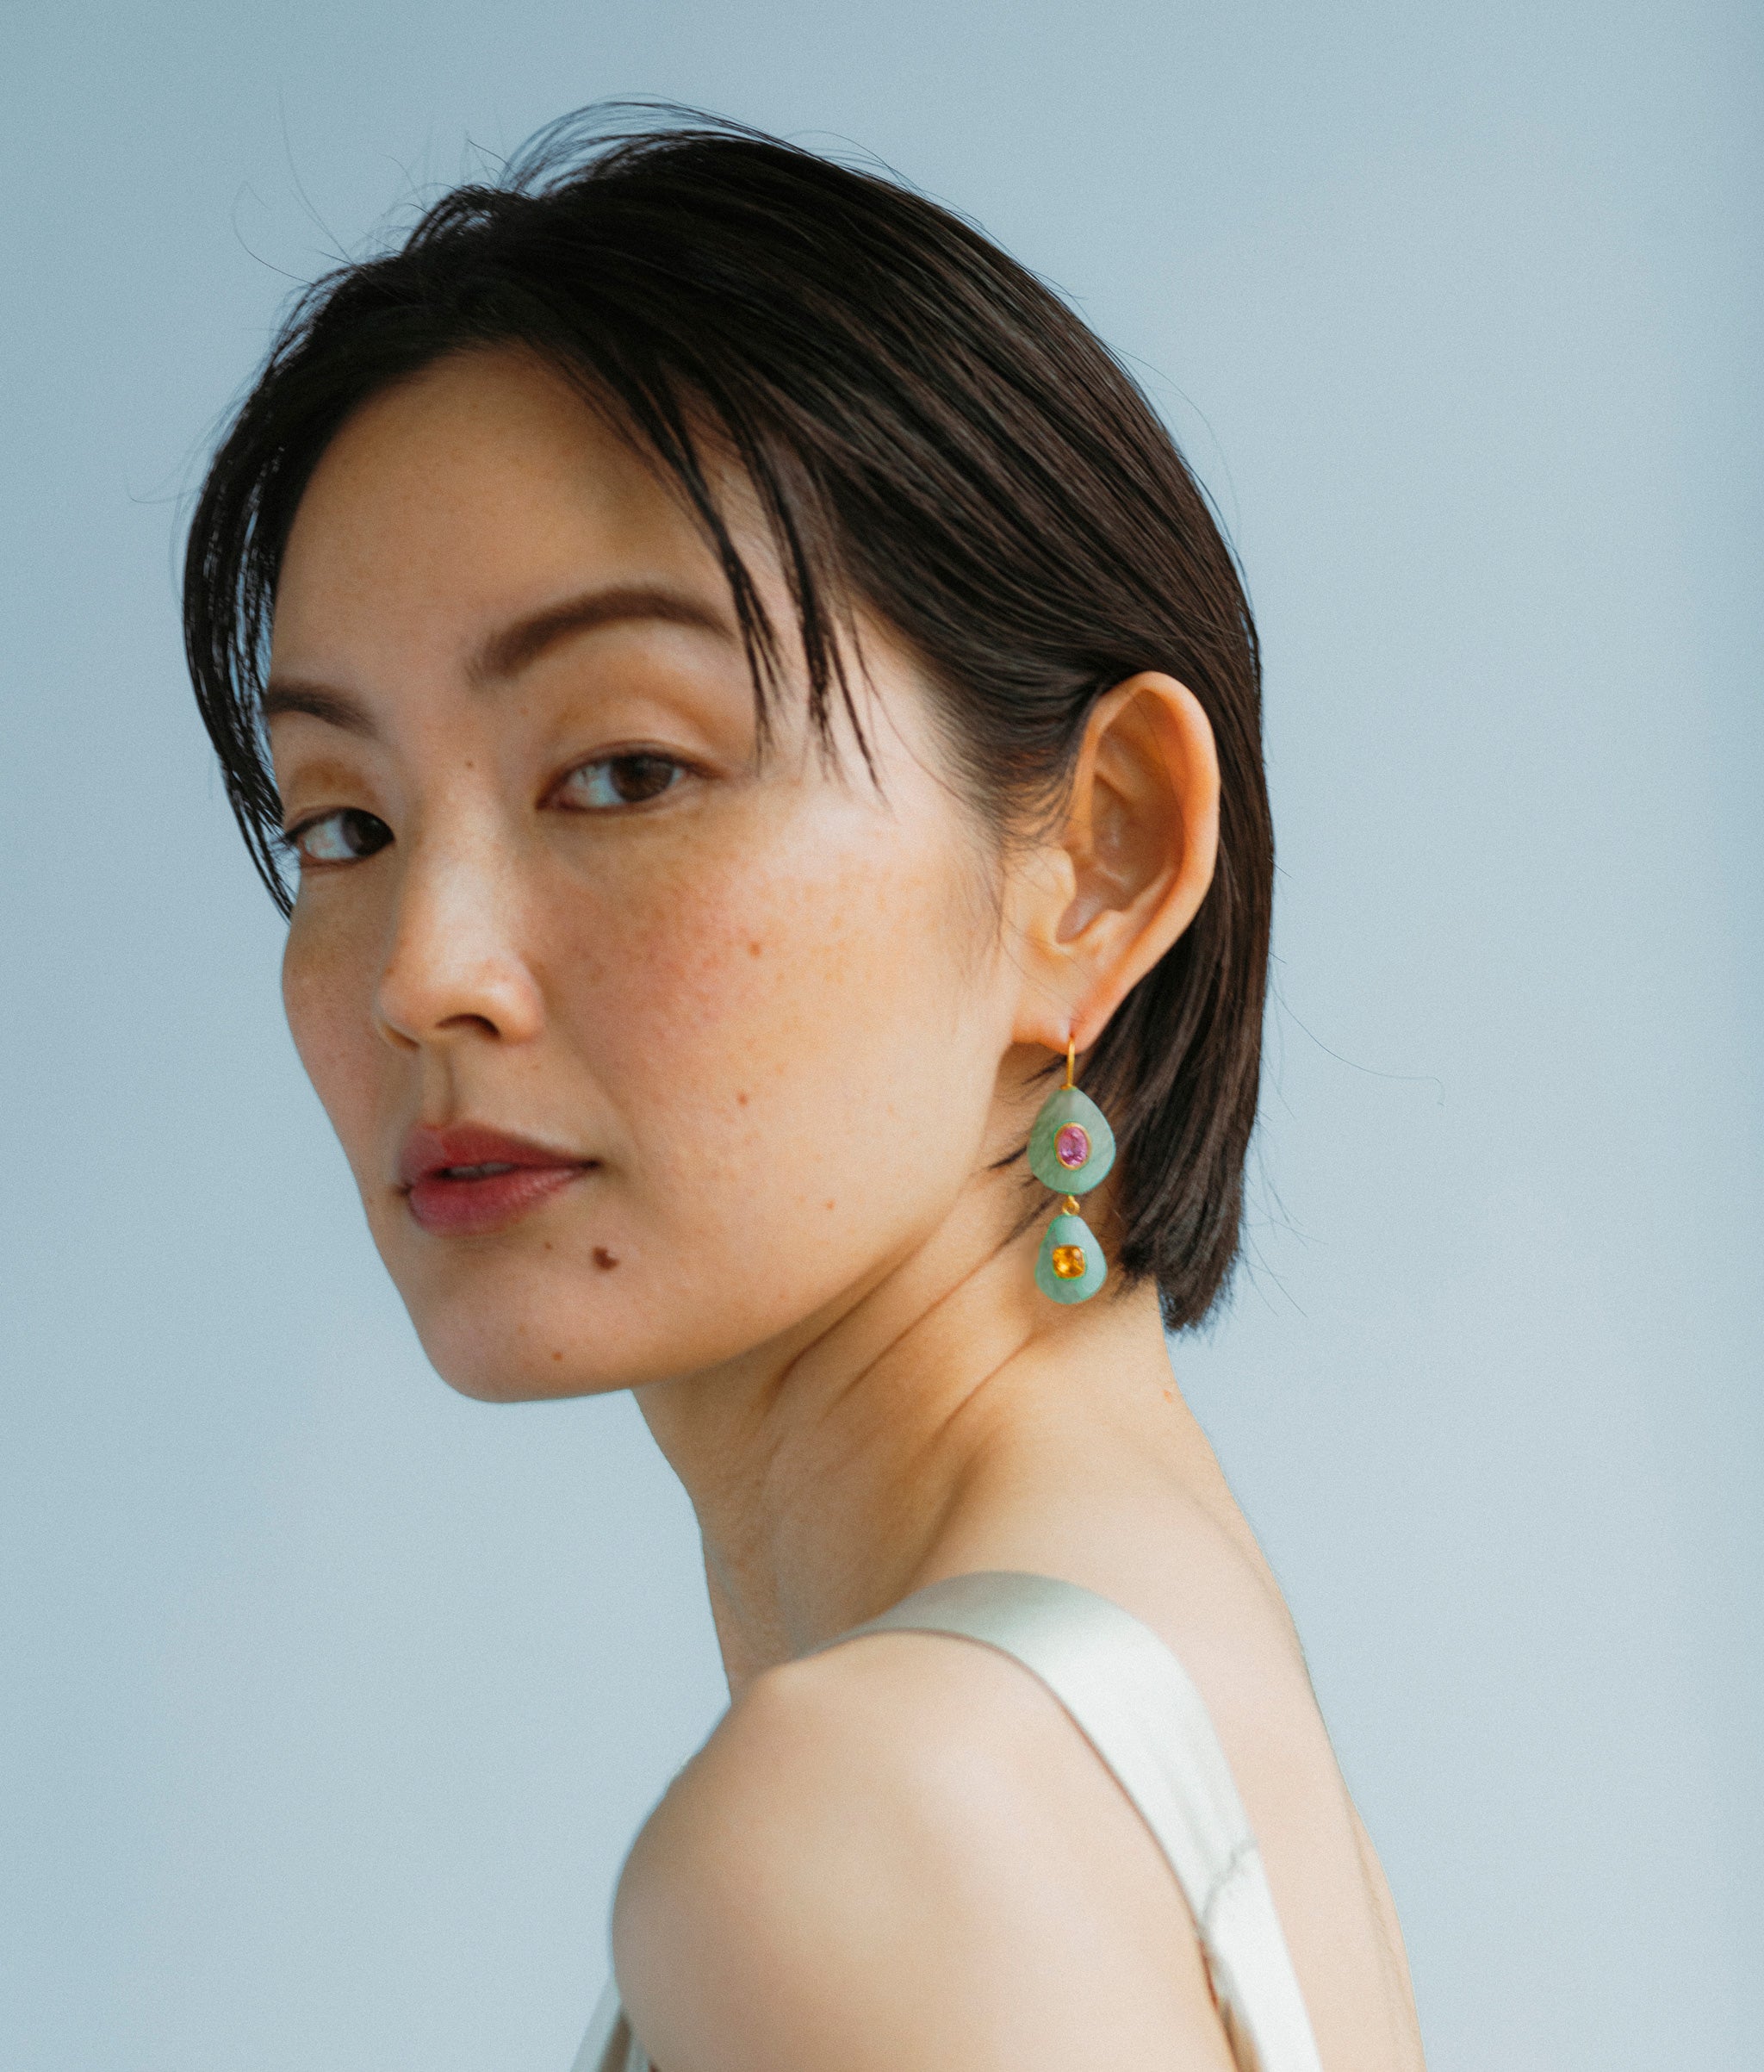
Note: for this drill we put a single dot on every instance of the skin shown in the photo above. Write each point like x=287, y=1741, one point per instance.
x=794, y=1018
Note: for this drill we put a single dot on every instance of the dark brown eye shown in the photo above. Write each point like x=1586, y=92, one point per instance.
x=616, y=780
x=344, y=836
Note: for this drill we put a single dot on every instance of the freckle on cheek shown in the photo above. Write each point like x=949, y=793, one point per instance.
x=753, y=949
x=741, y=1100
x=826, y=1205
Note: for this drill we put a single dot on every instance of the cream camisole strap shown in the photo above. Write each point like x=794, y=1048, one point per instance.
x=1133, y=1702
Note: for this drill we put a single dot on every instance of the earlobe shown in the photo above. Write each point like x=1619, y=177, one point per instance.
x=1139, y=847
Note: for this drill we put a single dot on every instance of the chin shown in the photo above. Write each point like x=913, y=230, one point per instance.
x=517, y=1329
x=506, y=1386
x=497, y=1354
x=491, y=1375
x=526, y=1321
x=510, y=1318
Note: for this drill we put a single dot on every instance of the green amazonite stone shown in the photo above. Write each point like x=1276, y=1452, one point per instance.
x=1070, y=1240
x=1068, y=1111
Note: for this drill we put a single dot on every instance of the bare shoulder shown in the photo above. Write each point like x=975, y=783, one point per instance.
x=903, y=1851
x=1218, y=1609
x=848, y=1875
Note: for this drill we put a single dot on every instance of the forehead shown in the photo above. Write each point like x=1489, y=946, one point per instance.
x=481, y=486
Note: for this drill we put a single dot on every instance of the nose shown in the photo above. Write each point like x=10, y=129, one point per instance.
x=455, y=969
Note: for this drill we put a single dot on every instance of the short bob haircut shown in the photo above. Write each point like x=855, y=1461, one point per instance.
x=930, y=434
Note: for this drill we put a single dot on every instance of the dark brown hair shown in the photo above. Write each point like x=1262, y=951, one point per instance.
x=929, y=432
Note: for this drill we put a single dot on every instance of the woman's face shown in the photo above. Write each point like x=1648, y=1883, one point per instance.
x=645, y=1050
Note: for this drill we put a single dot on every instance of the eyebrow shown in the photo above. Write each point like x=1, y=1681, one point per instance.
x=336, y=708
x=506, y=652
x=517, y=647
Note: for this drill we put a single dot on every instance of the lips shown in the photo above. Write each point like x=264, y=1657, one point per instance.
x=465, y=1181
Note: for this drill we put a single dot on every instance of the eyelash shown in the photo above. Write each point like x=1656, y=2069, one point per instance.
x=292, y=840
x=630, y=757
x=293, y=837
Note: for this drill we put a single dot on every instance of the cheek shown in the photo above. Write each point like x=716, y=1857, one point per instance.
x=326, y=995
x=794, y=1038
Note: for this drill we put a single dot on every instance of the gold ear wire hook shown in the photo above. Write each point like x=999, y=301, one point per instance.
x=1070, y=1052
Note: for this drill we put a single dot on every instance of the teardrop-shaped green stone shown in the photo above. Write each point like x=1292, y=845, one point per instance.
x=1065, y=1114
x=1071, y=1243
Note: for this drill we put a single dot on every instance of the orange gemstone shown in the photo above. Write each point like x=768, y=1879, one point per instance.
x=1069, y=1261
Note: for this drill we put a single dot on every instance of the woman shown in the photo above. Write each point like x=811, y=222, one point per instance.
x=767, y=731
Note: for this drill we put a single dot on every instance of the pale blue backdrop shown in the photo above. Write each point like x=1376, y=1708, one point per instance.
x=327, y=1700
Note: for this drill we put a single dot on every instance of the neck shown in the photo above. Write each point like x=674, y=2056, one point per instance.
x=834, y=1475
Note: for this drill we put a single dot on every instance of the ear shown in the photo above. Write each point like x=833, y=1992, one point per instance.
x=1129, y=870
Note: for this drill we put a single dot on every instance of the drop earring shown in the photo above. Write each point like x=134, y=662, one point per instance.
x=1071, y=1149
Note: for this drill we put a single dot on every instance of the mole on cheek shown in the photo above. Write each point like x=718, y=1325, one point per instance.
x=603, y=1259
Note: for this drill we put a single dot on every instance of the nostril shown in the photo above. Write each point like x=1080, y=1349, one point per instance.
x=399, y=1038
x=439, y=987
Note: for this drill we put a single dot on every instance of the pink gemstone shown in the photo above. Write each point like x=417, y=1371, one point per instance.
x=1072, y=1147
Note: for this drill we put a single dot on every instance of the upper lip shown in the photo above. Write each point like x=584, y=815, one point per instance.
x=427, y=1152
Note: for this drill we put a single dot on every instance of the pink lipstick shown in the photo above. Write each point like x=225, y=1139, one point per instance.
x=465, y=1181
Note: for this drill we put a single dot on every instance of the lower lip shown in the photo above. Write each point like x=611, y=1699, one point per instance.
x=469, y=1208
